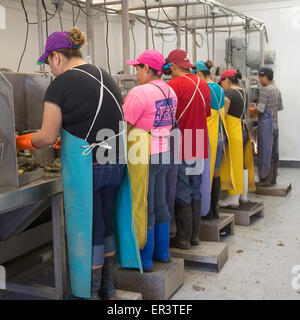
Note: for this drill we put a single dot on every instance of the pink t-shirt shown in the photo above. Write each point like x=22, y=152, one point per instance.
x=146, y=108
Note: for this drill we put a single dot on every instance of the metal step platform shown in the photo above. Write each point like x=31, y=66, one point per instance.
x=210, y=256
x=243, y=215
x=160, y=284
x=210, y=229
x=278, y=190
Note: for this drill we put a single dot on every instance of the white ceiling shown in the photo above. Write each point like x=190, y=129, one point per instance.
x=246, y=2
x=133, y=3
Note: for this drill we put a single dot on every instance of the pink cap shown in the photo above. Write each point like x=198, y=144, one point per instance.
x=230, y=73
x=153, y=58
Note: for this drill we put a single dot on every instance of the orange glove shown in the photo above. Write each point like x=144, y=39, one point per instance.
x=24, y=142
x=57, y=144
x=253, y=111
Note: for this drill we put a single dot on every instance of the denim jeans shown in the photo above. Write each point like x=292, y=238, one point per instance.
x=107, y=179
x=158, y=211
x=188, y=186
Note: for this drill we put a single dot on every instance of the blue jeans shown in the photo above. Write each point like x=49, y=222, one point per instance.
x=107, y=179
x=188, y=186
x=158, y=211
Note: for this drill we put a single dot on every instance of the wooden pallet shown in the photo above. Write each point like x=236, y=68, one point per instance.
x=210, y=229
x=128, y=295
x=243, y=215
x=278, y=190
x=160, y=284
x=208, y=255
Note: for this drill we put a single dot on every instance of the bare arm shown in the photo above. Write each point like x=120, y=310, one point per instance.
x=52, y=120
x=129, y=126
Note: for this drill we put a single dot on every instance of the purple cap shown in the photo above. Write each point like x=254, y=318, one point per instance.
x=57, y=40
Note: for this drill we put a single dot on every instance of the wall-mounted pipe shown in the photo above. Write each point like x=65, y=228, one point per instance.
x=40, y=31
x=125, y=35
x=90, y=31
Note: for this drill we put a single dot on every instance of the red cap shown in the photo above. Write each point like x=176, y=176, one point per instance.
x=230, y=73
x=180, y=58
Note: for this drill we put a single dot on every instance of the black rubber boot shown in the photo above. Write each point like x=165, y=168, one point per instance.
x=266, y=182
x=215, y=196
x=96, y=282
x=183, y=216
x=196, y=210
x=275, y=173
x=209, y=216
x=107, y=289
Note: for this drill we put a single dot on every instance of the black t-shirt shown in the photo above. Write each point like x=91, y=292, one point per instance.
x=77, y=94
x=236, y=97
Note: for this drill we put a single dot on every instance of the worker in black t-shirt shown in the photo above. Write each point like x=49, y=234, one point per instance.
x=237, y=167
x=86, y=102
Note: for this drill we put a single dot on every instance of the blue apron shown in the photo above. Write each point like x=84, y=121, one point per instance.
x=127, y=247
x=205, y=184
x=77, y=174
x=264, y=143
x=171, y=177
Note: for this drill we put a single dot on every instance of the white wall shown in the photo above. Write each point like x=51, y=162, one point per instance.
x=283, y=25
x=13, y=38
x=282, y=21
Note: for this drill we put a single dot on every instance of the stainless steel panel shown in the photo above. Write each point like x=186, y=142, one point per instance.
x=8, y=156
x=28, y=91
x=25, y=242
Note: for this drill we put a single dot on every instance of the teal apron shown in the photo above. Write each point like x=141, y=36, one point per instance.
x=77, y=174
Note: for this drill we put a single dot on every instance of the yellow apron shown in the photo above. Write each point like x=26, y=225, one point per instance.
x=232, y=167
x=213, y=132
x=138, y=155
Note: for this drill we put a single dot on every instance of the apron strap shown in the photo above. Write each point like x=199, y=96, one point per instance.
x=196, y=89
x=102, y=85
x=244, y=101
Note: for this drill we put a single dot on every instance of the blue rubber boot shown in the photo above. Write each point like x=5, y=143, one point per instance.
x=147, y=252
x=162, y=240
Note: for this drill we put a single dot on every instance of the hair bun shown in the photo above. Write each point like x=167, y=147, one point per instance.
x=209, y=64
x=77, y=37
x=238, y=75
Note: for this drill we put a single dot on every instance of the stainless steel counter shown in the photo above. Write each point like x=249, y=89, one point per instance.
x=13, y=198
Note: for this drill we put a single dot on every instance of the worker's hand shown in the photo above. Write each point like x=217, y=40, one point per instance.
x=253, y=111
x=57, y=144
x=24, y=142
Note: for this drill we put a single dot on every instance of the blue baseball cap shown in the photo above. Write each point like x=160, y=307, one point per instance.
x=200, y=66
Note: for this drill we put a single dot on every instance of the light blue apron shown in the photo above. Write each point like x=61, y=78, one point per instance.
x=205, y=184
x=77, y=174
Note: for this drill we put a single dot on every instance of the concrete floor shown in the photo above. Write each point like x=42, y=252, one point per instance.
x=261, y=256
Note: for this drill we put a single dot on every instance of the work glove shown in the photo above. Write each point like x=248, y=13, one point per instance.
x=57, y=144
x=253, y=111
x=24, y=142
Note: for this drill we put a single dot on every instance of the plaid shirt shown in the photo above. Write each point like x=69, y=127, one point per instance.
x=270, y=97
